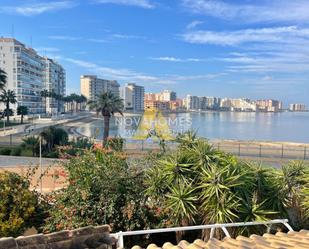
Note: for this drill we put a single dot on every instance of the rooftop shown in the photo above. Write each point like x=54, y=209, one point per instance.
x=267, y=241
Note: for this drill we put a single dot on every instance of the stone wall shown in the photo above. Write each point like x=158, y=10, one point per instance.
x=82, y=238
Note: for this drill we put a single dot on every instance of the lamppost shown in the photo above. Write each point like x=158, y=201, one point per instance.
x=4, y=126
x=41, y=170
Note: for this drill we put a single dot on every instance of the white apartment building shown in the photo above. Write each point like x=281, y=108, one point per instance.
x=201, y=103
x=28, y=74
x=55, y=81
x=238, y=104
x=91, y=86
x=25, y=73
x=168, y=95
x=133, y=97
x=297, y=108
x=192, y=102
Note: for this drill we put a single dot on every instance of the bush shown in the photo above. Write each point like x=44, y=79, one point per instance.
x=19, y=207
x=198, y=184
x=52, y=154
x=115, y=143
x=5, y=151
x=16, y=151
x=101, y=190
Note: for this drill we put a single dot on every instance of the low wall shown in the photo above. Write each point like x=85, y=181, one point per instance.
x=82, y=238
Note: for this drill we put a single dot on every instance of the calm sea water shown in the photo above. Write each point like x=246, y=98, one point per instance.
x=287, y=126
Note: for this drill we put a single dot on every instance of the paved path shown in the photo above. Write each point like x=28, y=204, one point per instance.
x=16, y=139
x=14, y=161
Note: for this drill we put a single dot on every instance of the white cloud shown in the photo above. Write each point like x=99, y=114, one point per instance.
x=36, y=8
x=64, y=38
x=174, y=59
x=127, y=37
x=47, y=49
x=288, y=34
x=129, y=75
x=106, y=39
x=97, y=40
x=194, y=24
x=146, y=4
x=257, y=11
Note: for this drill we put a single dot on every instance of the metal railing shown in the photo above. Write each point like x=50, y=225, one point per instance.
x=120, y=235
x=241, y=149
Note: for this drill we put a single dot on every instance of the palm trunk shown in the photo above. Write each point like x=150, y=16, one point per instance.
x=7, y=112
x=106, y=129
x=45, y=105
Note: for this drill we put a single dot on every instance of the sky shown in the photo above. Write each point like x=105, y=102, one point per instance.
x=224, y=48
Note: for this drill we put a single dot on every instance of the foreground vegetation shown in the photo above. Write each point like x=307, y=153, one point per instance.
x=196, y=184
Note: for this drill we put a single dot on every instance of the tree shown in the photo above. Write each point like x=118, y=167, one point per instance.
x=83, y=100
x=8, y=97
x=19, y=206
x=32, y=143
x=45, y=94
x=22, y=110
x=3, y=79
x=53, y=136
x=107, y=104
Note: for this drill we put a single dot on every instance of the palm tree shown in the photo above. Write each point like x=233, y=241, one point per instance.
x=83, y=101
x=54, y=136
x=59, y=99
x=31, y=143
x=45, y=94
x=22, y=110
x=107, y=104
x=3, y=79
x=8, y=97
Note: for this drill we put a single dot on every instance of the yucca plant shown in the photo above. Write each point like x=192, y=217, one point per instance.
x=199, y=184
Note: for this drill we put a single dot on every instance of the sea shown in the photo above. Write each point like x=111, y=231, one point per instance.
x=275, y=127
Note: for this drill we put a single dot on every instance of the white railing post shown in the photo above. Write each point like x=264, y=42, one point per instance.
x=287, y=225
x=120, y=240
x=212, y=232
x=226, y=232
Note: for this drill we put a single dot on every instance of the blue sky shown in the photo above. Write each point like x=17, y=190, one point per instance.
x=256, y=49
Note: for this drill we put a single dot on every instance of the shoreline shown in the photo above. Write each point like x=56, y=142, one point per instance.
x=73, y=131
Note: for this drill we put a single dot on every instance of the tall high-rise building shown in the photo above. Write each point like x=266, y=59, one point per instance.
x=54, y=82
x=25, y=73
x=28, y=74
x=192, y=102
x=91, y=86
x=133, y=97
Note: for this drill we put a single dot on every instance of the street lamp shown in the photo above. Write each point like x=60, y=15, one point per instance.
x=41, y=170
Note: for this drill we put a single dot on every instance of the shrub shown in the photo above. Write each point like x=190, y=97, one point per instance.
x=198, y=184
x=5, y=151
x=101, y=190
x=52, y=154
x=115, y=143
x=16, y=151
x=19, y=207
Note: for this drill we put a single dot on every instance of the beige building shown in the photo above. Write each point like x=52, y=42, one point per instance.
x=91, y=86
x=269, y=105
